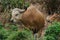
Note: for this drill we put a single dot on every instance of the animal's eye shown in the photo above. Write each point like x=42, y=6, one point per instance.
x=22, y=12
x=16, y=15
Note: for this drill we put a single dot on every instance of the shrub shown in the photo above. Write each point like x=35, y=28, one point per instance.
x=21, y=35
x=1, y=25
x=12, y=27
x=14, y=34
x=7, y=4
x=53, y=32
x=4, y=33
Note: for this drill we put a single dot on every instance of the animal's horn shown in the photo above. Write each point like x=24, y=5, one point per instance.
x=22, y=10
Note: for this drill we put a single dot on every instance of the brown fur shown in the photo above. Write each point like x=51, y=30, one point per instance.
x=33, y=19
x=54, y=17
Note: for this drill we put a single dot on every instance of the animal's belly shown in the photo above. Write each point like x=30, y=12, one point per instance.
x=33, y=25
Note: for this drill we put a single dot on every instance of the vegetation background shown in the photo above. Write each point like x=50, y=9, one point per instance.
x=9, y=31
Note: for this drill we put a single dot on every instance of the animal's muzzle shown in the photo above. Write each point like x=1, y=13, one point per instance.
x=11, y=20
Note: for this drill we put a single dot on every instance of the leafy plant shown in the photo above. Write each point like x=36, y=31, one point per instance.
x=53, y=31
x=11, y=27
x=8, y=4
x=21, y=35
x=1, y=25
x=3, y=33
x=14, y=34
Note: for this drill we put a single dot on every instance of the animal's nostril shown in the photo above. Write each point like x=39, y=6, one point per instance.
x=11, y=20
x=48, y=21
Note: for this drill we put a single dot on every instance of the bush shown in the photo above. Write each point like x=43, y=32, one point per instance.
x=21, y=35
x=53, y=32
x=4, y=33
x=7, y=4
x=14, y=34
x=11, y=27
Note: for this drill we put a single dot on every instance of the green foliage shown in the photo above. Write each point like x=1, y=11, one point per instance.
x=53, y=31
x=21, y=35
x=14, y=34
x=1, y=25
x=11, y=27
x=13, y=3
x=3, y=33
x=2, y=36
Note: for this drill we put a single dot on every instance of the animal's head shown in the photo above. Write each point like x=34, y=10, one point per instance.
x=16, y=14
x=54, y=17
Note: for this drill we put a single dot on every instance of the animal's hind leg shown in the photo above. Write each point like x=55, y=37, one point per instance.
x=41, y=32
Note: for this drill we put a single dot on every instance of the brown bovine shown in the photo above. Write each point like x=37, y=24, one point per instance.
x=32, y=18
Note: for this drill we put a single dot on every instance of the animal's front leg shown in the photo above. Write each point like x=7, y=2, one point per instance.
x=36, y=36
x=26, y=27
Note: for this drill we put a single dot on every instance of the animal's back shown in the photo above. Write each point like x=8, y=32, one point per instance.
x=33, y=19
